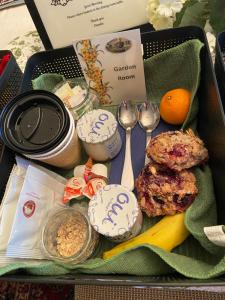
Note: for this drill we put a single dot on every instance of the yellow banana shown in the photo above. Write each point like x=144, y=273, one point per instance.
x=167, y=234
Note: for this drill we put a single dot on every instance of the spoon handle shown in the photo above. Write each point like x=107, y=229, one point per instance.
x=148, y=139
x=127, y=179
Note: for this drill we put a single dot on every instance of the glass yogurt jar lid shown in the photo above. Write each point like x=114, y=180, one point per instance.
x=113, y=211
x=96, y=126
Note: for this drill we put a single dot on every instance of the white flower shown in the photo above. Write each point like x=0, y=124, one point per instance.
x=169, y=8
x=162, y=13
x=152, y=7
x=158, y=21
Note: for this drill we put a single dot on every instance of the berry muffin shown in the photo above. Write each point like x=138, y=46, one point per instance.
x=177, y=150
x=162, y=191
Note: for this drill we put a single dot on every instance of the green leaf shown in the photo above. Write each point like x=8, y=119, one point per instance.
x=180, y=15
x=217, y=16
x=194, y=12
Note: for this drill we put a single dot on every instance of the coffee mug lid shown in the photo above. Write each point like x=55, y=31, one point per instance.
x=34, y=122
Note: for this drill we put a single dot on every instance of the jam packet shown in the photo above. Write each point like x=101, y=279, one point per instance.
x=40, y=193
x=87, y=180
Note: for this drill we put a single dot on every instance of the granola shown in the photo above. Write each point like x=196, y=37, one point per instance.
x=71, y=236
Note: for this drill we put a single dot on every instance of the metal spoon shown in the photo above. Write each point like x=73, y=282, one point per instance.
x=149, y=118
x=127, y=116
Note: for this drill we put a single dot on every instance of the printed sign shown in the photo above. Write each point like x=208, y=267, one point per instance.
x=113, y=66
x=66, y=20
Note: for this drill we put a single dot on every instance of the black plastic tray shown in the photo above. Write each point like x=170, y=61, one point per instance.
x=10, y=81
x=211, y=127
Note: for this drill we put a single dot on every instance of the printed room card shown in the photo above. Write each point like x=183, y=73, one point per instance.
x=66, y=20
x=113, y=66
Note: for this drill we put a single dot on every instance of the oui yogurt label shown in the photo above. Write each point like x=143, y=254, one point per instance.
x=114, y=212
x=98, y=130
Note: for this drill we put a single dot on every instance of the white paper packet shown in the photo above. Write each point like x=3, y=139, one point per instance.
x=39, y=195
x=9, y=205
x=8, y=209
x=25, y=163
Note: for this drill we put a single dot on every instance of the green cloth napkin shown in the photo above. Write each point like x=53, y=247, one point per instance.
x=47, y=81
x=197, y=257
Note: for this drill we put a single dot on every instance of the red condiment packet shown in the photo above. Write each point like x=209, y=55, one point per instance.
x=87, y=170
x=93, y=186
x=74, y=189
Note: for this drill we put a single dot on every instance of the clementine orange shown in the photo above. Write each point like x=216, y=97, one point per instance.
x=174, y=106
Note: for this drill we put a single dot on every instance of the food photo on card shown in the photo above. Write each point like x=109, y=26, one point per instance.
x=113, y=66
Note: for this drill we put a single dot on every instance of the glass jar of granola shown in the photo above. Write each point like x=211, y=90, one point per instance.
x=68, y=236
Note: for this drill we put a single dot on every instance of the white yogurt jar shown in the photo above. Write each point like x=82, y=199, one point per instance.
x=98, y=130
x=114, y=213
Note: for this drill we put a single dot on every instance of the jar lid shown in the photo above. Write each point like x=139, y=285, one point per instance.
x=96, y=126
x=34, y=122
x=113, y=210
